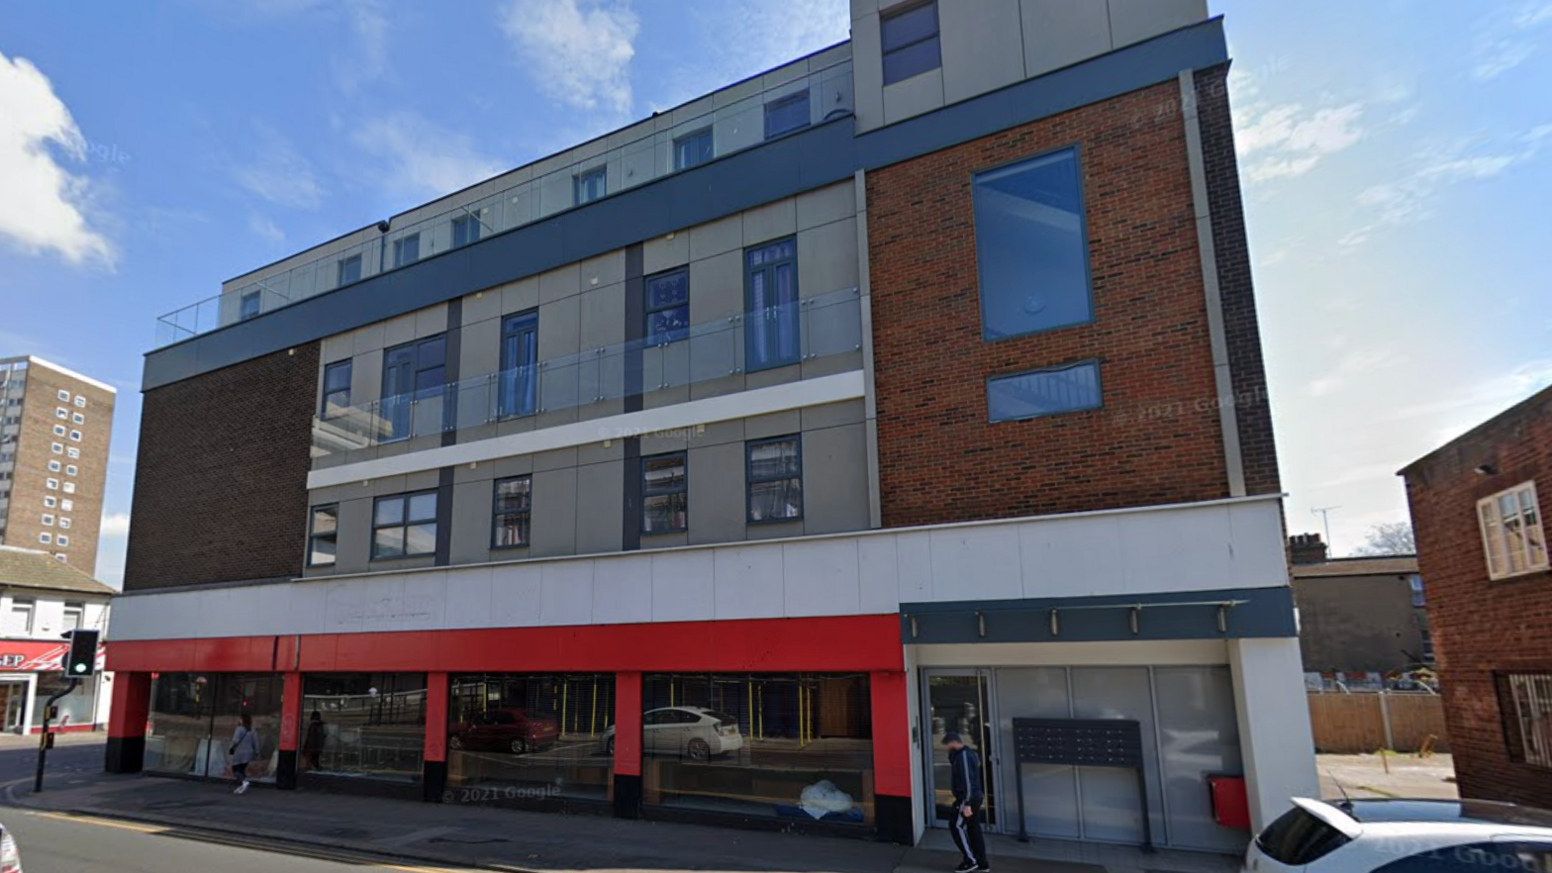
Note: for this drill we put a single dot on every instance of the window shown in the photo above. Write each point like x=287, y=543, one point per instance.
x=910, y=42
x=369, y=726
x=63, y=395
x=45, y=538
x=349, y=270
x=1031, y=249
x=1415, y=582
x=59, y=430
x=590, y=185
x=67, y=504
x=77, y=418
x=187, y=709
x=22, y=610
x=52, y=484
x=412, y=372
x=54, y=466
x=57, y=448
x=248, y=305
x=519, y=365
x=69, y=487
x=61, y=557
x=1043, y=392
x=61, y=412
x=693, y=149
x=495, y=720
x=64, y=521
x=1297, y=838
x=62, y=540
x=50, y=501
x=336, y=388
x=664, y=495
x=1512, y=534
x=406, y=250
x=775, y=480
x=70, y=470
x=323, y=535
x=404, y=525
x=1525, y=709
x=513, y=504
x=48, y=520
x=786, y=114
x=771, y=324
x=752, y=742
x=75, y=616
x=75, y=436
x=668, y=307
x=466, y=229
x=80, y=401
x=73, y=453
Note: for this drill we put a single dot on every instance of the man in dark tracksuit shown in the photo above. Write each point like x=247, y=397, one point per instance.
x=969, y=796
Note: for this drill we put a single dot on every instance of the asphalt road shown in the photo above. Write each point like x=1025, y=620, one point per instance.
x=65, y=761
x=60, y=843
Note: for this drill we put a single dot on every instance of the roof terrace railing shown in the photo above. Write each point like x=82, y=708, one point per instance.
x=742, y=123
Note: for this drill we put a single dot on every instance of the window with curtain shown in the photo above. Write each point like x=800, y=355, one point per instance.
x=518, y=383
x=512, y=508
x=693, y=149
x=668, y=307
x=775, y=474
x=323, y=536
x=591, y=185
x=414, y=379
x=771, y=322
x=664, y=494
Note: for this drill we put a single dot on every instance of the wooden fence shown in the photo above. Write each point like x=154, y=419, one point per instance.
x=1366, y=722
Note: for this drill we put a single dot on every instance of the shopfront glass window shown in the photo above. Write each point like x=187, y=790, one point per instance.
x=795, y=746
x=75, y=708
x=532, y=736
x=193, y=717
x=364, y=725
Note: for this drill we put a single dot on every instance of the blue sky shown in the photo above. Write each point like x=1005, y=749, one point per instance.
x=1395, y=158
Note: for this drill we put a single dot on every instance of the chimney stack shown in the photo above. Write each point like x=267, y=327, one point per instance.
x=1307, y=549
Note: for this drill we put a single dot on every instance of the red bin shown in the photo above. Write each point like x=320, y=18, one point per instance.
x=1230, y=801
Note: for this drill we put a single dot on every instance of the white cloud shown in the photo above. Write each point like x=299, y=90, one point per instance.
x=43, y=206
x=424, y=158
x=1508, y=39
x=114, y=524
x=278, y=173
x=1359, y=363
x=577, y=51
x=1412, y=197
x=1290, y=140
x=264, y=227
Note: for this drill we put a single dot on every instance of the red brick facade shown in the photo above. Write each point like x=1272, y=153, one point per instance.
x=1158, y=437
x=1481, y=627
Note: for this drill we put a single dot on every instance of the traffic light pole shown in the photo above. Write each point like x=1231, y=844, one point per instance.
x=45, y=737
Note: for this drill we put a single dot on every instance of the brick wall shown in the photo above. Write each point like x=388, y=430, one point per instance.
x=1158, y=438
x=221, y=478
x=1482, y=627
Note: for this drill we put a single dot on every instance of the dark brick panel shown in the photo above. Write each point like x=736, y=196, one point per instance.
x=1481, y=627
x=1253, y=408
x=221, y=477
x=1156, y=440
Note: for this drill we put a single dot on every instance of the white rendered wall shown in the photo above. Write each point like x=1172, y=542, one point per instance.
x=1276, y=742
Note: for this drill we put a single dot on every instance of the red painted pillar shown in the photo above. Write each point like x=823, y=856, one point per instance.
x=127, y=716
x=434, y=777
x=627, y=744
x=893, y=807
x=290, y=728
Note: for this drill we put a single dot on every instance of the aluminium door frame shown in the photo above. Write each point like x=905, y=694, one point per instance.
x=990, y=757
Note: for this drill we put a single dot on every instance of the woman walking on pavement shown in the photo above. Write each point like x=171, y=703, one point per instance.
x=245, y=747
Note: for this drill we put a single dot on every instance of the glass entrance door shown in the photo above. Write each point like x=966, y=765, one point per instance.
x=13, y=698
x=959, y=701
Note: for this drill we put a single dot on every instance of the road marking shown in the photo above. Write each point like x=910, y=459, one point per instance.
x=299, y=849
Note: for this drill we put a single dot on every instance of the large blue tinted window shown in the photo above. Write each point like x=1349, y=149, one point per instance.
x=1043, y=392
x=1030, y=247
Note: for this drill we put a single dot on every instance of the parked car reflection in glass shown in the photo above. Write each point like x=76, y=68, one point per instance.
x=693, y=732
x=505, y=730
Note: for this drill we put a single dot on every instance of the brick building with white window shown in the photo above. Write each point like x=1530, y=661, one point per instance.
x=41, y=599
x=715, y=468
x=1477, y=505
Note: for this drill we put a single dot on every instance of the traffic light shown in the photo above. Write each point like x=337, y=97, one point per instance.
x=82, y=661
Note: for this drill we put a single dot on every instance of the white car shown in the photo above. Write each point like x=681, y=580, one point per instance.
x=1404, y=836
x=693, y=732
x=10, y=856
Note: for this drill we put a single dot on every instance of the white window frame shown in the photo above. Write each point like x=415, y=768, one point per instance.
x=77, y=418
x=63, y=395
x=1496, y=548
x=60, y=430
x=73, y=453
x=49, y=501
x=70, y=469
x=80, y=401
x=67, y=505
x=75, y=436
x=61, y=412
x=63, y=540
x=48, y=519
x=54, y=466
x=52, y=484
x=69, y=487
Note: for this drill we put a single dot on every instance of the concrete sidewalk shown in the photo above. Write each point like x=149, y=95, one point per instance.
x=1395, y=775
x=485, y=837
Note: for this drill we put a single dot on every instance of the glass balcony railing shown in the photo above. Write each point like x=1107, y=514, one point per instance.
x=812, y=329
x=674, y=145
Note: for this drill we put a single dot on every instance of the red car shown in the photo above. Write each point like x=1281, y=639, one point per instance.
x=505, y=730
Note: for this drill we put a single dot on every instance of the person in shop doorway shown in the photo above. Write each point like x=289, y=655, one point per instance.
x=312, y=744
x=245, y=747
x=969, y=797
